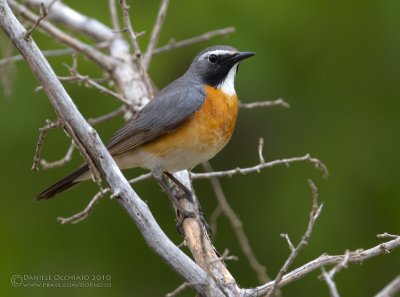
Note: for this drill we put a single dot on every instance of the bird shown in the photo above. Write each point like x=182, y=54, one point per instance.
x=185, y=124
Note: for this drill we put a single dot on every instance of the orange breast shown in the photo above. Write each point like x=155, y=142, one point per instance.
x=199, y=138
x=217, y=118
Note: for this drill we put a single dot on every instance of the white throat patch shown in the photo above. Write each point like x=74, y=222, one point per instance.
x=228, y=84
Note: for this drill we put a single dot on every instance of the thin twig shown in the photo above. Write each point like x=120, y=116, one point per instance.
x=225, y=257
x=88, y=82
x=258, y=104
x=182, y=287
x=172, y=44
x=260, y=150
x=136, y=48
x=68, y=155
x=43, y=14
x=229, y=173
x=391, y=289
x=43, y=131
x=64, y=160
x=328, y=276
x=387, y=235
x=237, y=226
x=82, y=215
x=76, y=218
x=315, y=212
x=331, y=284
x=108, y=116
x=155, y=34
x=357, y=256
x=92, y=53
x=46, y=53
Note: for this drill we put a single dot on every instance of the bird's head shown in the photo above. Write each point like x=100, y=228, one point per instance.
x=217, y=66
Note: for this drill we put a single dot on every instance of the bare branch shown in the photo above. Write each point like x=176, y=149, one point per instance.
x=258, y=104
x=43, y=131
x=82, y=215
x=237, y=226
x=391, y=289
x=199, y=243
x=46, y=53
x=64, y=160
x=315, y=212
x=76, y=76
x=260, y=150
x=114, y=15
x=136, y=48
x=290, y=244
x=181, y=288
x=387, y=235
x=225, y=257
x=43, y=14
x=324, y=260
x=172, y=44
x=229, y=173
x=331, y=284
x=328, y=276
x=76, y=218
x=155, y=34
x=108, y=116
x=90, y=52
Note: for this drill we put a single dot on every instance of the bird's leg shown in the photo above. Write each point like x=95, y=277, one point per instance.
x=183, y=214
x=188, y=193
x=189, y=197
x=158, y=177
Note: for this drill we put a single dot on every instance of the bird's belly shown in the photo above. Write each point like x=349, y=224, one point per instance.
x=196, y=141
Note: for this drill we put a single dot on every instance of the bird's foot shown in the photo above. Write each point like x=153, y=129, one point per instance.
x=183, y=215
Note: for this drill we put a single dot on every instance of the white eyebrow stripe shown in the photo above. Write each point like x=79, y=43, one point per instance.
x=216, y=52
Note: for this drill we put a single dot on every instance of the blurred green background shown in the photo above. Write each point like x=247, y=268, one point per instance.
x=338, y=65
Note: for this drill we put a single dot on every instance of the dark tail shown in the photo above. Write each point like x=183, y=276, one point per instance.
x=64, y=184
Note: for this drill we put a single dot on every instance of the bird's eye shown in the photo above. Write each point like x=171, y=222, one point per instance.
x=213, y=58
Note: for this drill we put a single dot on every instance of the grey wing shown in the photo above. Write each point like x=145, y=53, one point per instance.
x=167, y=111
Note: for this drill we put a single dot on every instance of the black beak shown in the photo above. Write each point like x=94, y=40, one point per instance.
x=241, y=56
